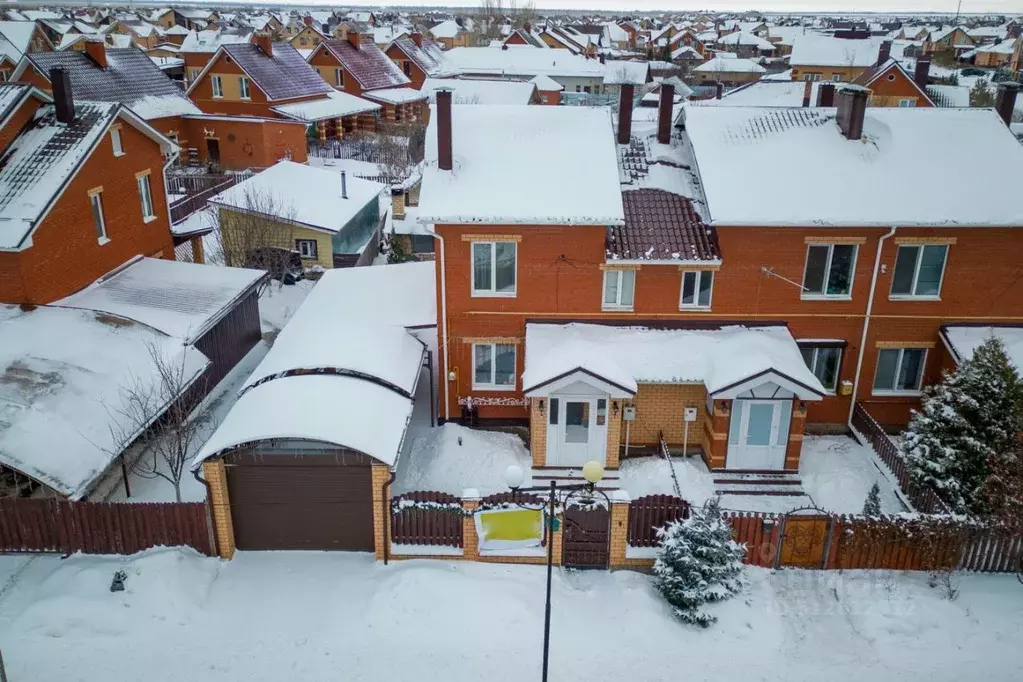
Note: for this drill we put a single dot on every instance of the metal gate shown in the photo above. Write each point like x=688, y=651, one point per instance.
x=586, y=540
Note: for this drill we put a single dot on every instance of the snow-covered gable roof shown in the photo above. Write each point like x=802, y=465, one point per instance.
x=764, y=93
x=446, y=29
x=1004, y=47
x=626, y=73
x=745, y=39
x=367, y=63
x=524, y=62
x=818, y=50
x=806, y=147
x=336, y=104
x=210, y=41
x=627, y=356
x=546, y=84
x=62, y=372
x=481, y=91
x=183, y=300
x=395, y=95
x=310, y=196
x=498, y=177
x=963, y=341
x=727, y=65
x=19, y=34
x=429, y=58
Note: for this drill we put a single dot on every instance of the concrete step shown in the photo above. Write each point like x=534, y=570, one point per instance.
x=786, y=492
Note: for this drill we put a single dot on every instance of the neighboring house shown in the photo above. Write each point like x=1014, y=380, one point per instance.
x=817, y=57
x=575, y=72
x=143, y=34
x=746, y=45
x=729, y=71
x=17, y=38
x=687, y=39
x=891, y=85
x=483, y=91
x=198, y=48
x=418, y=58
x=130, y=77
x=955, y=39
x=548, y=89
x=450, y=34
x=996, y=55
x=333, y=219
x=307, y=39
x=356, y=65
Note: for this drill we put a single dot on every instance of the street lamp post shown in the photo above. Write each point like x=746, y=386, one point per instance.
x=513, y=478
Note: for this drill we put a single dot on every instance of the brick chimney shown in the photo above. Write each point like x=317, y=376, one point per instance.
x=63, y=102
x=884, y=52
x=96, y=50
x=719, y=90
x=265, y=43
x=826, y=95
x=1005, y=100
x=667, y=106
x=923, y=69
x=444, y=142
x=417, y=38
x=354, y=38
x=852, y=107
x=308, y=21
x=625, y=113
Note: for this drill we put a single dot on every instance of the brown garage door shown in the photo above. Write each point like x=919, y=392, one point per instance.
x=301, y=501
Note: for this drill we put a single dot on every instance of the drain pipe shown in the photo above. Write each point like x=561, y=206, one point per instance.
x=866, y=324
x=444, y=324
x=385, y=502
x=209, y=504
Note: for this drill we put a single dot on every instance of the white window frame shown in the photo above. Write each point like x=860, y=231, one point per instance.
x=907, y=103
x=836, y=78
x=617, y=304
x=244, y=89
x=696, y=290
x=146, y=198
x=96, y=202
x=823, y=295
x=492, y=292
x=217, y=85
x=339, y=77
x=313, y=253
x=816, y=358
x=916, y=275
x=491, y=385
x=898, y=370
x=116, y=142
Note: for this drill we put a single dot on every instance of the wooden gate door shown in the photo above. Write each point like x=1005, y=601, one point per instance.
x=804, y=541
x=586, y=540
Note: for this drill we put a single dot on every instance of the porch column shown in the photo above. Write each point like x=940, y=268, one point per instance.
x=537, y=432
x=198, y=256
x=470, y=541
x=794, y=447
x=719, y=422
x=614, y=435
x=321, y=130
x=379, y=474
x=220, y=505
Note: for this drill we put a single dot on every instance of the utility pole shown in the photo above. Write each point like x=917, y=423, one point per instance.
x=3, y=671
x=958, y=8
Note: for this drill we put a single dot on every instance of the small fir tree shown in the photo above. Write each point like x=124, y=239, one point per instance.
x=971, y=418
x=981, y=95
x=872, y=505
x=396, y=250
x=698, y=563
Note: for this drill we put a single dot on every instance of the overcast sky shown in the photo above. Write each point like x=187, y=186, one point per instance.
x=821, y=6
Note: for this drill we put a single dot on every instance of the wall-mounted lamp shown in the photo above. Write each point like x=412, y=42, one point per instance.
x=614, y=408
x=542, y=406
x=802, y=406
x=453, y=375
x=725, y=406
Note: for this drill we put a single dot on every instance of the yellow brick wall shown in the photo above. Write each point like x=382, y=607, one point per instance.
x=381, y=517
x=659, y=408
x=537, y=433
x=283, y=236
x=398, y=205
x=223, y=527
x=614, y=435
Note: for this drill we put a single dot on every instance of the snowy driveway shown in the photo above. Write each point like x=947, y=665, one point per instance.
x=296, y=616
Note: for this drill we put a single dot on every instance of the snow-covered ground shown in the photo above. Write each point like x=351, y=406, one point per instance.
x=278, y=303
x=437, y=460
x=640, y=476
x=838, y=472
x=319, y=616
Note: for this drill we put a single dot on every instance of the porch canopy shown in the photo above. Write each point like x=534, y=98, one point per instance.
x=336, y=104
x=728, y=360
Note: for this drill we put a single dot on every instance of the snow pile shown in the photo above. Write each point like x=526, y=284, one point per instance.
x=641, y=476
x=159, y=106
x=837, y=474
x=438, y=462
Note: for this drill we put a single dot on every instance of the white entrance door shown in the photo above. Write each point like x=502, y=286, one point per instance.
x=759, y=434
x=580, y=433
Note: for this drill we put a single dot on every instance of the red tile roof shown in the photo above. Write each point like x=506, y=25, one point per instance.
x=661, y=225
x=367, y=63
x=282, y=76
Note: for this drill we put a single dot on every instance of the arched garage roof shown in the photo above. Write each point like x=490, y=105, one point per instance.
x=344, y=411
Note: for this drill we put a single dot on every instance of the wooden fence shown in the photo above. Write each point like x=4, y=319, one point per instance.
x=426, y=518
x=183, y=208
x=52, y=525
x=923, y=499
x=646, y=514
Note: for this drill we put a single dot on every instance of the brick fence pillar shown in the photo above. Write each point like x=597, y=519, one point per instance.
x=198, y=256
x=223, y=527
x=470, y=541
x=381, y=473
x=619, y=528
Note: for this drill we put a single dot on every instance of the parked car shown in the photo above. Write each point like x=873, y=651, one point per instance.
x=282, y=264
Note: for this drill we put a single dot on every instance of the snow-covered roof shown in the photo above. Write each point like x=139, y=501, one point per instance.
x=403, y=294
x=686, y=51
x=307, y=195
x=626, y=73
x=745, y=39
x=19, y=33
x=965, y=339
x=817, y=50
x=524, y=62
x=722, y=64
x=807, y=148
x=1004, y=47
x=62, y=375
x=446, y=29
x=210, y=41
x=765, y=93
x=395, y=95
x=721, y=359
x=183, y=300
x=336, y=104
x=498, y=176
x=546, y=84
x=481, y=91
x=949, y=95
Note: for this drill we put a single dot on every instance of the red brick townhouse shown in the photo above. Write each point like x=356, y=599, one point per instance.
x=130, y=77
x=81, y=192
x=598, y=313
x=418, y=58
x=358, y=67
